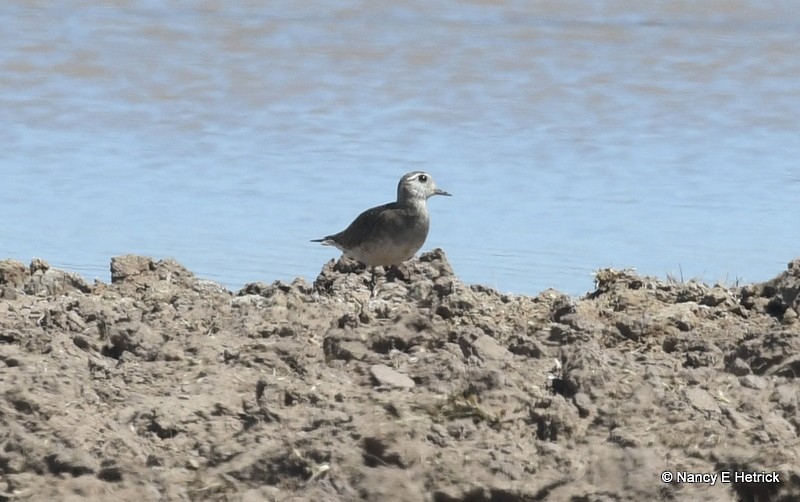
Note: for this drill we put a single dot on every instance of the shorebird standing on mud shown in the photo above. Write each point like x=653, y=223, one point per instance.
x=392, y=233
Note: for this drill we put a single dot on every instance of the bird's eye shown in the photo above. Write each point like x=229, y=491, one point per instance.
x=423, y=178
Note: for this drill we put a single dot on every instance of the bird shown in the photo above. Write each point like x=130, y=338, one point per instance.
x=391, y=233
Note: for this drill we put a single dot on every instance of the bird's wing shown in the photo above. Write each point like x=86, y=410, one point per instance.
x=366, y=224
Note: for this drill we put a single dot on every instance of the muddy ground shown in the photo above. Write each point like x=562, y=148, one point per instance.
x=162, y=386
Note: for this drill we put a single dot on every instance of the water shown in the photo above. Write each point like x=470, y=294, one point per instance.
x=226, y=135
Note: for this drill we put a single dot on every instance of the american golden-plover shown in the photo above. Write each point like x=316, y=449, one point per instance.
x=392, y=233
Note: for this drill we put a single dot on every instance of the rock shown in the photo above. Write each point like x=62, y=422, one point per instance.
x=345, y=349
x=584, y=404
x=134, y=337
x=13, y=273
x=779, y=429
x=714, y=297
x=754, y=382
x=384, y=483
x=71, y=461
x=787, y=396
x=487, y=348
x=438, y=263
x=7, y=292
x=129, y=266
x=47, y=281
x=701, y=399
x=385, y=375
x=39, y=265
x=739, y=367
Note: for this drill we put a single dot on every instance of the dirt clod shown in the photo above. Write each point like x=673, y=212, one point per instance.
x=164, y=386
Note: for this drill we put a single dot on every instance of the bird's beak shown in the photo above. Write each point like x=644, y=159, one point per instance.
x=439, y=191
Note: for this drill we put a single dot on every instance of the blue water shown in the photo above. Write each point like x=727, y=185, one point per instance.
x=229, y=134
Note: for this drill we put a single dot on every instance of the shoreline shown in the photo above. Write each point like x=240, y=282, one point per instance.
x=159, y=384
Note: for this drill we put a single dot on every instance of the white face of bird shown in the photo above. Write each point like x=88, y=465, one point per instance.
x=418, y=185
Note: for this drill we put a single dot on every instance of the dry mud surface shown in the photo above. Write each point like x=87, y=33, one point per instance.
x=161, y=386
